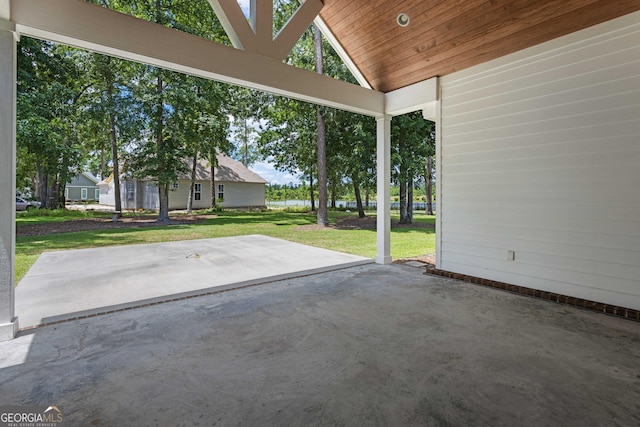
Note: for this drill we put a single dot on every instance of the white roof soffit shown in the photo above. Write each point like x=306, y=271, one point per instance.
x=88, y=26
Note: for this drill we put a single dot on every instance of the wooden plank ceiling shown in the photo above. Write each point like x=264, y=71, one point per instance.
x=444, y=36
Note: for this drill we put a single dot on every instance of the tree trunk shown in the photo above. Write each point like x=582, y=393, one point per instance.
x=356, y=190
x=212, y=171
x=323, y=215
x=429, y=186
x=409, y=202
x=114, y=152
x=102, y=165
x=61, y=201
x=163, y=195
x=163, y=187
x=403, y=201
x=245, y=155
x=193, y=182
x=44, y=189
x=313, y=199
x=334, y=193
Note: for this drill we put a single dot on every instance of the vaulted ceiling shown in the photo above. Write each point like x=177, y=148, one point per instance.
x=444, y=36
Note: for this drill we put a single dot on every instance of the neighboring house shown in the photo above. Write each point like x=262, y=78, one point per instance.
x=83, y=187
x=236, y=187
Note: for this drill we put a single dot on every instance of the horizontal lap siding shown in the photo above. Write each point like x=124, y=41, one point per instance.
x=242, y=195
x=541, y=156
x=178, y=198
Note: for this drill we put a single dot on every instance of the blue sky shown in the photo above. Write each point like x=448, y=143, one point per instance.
x=244, y=5
x=263, y=168
x=268, y=172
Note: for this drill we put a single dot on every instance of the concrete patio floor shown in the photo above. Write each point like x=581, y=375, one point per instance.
x=75, y=283
x=368, y=345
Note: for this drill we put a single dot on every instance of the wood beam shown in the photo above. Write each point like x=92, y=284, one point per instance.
x=295, y=27
x=262, y=22
x=258, y=36
x=418, y=96
x=91, y=27
x=235, y=24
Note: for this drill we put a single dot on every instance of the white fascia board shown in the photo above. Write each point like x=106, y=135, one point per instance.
x=418, y=96
x=333, y=41
x=5, y=8
x=430, y=111
x=6, y=25
x=88, y=26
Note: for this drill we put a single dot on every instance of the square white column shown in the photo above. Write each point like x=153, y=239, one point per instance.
x=8, y=320
x=383, y=153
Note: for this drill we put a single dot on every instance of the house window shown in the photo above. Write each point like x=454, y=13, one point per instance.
x=131, y=190
x=96, y=194
x=221, y=191
x=175, y=186
x=197, y=192
x=83, y=193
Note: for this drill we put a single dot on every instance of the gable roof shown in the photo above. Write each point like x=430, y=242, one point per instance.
x=447, y=36
x=228, y=170
x=91, y=177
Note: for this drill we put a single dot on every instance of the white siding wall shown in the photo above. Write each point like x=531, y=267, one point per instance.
x=178, y=198
x=236, y=194
x=243, y=195
x=107, y=195
x=540, y=154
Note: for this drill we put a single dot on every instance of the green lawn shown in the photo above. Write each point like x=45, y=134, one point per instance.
x=40, y=216
x=405, y=242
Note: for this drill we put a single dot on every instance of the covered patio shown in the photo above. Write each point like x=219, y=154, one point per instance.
x=524, y=95
x=371, y=345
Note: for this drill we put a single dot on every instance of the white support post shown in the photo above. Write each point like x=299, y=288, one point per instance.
x=383, y=151
x=8, y=320
x=438, y=121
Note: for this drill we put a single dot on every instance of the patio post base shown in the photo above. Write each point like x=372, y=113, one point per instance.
x=8, y=331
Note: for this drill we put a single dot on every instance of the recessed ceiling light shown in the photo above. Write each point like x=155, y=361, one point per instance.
x=403, y=19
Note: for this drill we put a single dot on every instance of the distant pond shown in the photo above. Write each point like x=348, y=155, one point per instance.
x=344, y=204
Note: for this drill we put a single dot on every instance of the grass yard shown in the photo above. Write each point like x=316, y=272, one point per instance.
x=293, y=226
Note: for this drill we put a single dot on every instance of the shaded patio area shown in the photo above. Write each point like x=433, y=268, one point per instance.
x=366, y=345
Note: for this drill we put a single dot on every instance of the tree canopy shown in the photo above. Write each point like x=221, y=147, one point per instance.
x=84, y=111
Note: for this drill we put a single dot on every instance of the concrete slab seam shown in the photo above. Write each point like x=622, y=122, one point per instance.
x=193, y=295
